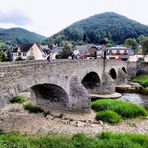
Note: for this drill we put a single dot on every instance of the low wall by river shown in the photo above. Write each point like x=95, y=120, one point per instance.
x=136, y=68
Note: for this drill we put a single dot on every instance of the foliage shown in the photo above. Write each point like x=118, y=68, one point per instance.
x=131, y=43
x=109, y=25
x=18, y=99
x=9, y=56
x=123, y=108
x=144, y=44
x=142, y=79
x=32, y=108
x=2, y=56
x=108, y=116
x=66, y=52
x=19, y=58
x=18, y=36
x=103, y=140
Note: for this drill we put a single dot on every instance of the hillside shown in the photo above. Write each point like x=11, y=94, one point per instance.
x=106, y=25
x=15, y=36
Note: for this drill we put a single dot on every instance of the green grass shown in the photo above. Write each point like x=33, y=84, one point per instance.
x=122, y=108
x=108, y=116
x=18, y=99
x=142, y=79
x=103, y=140
x=33, y=108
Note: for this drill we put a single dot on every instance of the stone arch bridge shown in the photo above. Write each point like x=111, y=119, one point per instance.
x=63, y=83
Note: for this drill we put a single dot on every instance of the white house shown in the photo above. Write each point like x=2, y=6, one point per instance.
x=29, y=51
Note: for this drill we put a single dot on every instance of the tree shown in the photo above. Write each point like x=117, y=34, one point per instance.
x=66, y=52
x=9, y=56
x=144, y=44
x=2, y=55
x=131, y=43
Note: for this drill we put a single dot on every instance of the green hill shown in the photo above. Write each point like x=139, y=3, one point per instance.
x=17, y=36
x=106, y=25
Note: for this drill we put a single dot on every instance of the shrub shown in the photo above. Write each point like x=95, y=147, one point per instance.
x=123, y=108
x=33, y=108
x=18, y=99
x=19, y=58
x=108, y=116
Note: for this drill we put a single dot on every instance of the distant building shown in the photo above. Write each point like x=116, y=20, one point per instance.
x=28, y=51
x=119, y=53
x=90, y=50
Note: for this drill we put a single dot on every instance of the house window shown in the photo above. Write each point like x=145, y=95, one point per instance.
x=24, y=54
x=14, y=54
x=19, y=54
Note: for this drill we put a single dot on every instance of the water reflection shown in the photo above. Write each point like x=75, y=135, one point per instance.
x=135, y=98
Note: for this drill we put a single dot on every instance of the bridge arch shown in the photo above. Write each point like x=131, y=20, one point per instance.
x=124, y=70
x=91, y=81
x=50, y=95
x=113, y=74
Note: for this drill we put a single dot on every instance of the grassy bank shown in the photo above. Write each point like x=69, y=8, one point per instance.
x=142, y=79
x=103, y=140
x=113, y=110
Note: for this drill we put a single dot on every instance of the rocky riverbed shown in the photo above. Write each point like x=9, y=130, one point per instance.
x=14, y=118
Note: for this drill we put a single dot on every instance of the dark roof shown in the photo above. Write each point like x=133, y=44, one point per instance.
x=23, y=47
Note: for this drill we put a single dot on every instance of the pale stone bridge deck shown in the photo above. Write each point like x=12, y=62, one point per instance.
x=65, y=83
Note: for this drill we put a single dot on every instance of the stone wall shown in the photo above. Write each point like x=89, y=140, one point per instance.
x=136, y=68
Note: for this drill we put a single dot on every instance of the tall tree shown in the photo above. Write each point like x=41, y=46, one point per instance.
x=132, y=43
x=2, y=55
x=144, y=44
x=66, y=52
x=9, y=56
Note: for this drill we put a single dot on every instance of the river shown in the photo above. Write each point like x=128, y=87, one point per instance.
x=136, y=98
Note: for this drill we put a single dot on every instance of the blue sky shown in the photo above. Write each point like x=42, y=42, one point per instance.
x=48, y=17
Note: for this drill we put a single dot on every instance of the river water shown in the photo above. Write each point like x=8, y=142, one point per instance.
x=135, y=98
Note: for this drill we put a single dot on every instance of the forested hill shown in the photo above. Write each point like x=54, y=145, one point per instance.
x=16, y=36
x=106, y=25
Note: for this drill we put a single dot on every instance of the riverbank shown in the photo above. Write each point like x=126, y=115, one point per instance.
x=13, y=118
x=132, y=88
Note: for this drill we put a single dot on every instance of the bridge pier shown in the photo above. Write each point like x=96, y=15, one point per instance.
x=107, y=85
x=79, y=100
x=122, y=77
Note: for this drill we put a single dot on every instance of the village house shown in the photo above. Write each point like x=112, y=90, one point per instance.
x=119, y=53
x=29, y=51
x=89, y=51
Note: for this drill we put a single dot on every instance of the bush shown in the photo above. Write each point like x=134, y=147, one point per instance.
x=123, y=108
x=18, y=99
x=19, y=58
x=33, y=108
x=108, y=116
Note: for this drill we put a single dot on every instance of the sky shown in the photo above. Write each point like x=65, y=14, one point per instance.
x=48, y=17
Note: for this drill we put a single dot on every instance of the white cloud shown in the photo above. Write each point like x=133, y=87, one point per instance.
x=16, y=17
